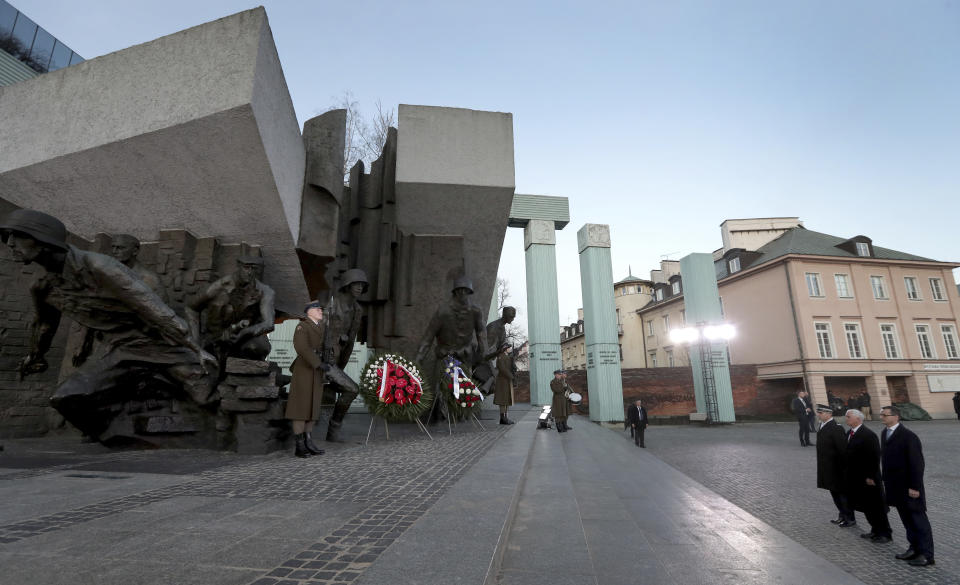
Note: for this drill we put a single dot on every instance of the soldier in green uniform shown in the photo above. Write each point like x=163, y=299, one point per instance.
x=560, y=407
x=306, y=387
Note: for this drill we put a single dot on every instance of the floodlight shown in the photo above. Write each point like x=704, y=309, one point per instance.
x=684, y=335
x=719, y=332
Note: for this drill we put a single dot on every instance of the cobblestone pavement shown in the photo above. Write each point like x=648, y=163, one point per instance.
x=761, y=468
x=372, y=493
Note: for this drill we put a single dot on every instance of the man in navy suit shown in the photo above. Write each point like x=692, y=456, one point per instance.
x=902, y=460
x=637, y=417
x=863, y=485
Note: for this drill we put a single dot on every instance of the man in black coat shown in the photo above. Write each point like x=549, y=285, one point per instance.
x=862, y=477
x=831, y=447
x=801, y=409
x=956, y=404
x=637, y=417
x=902, y=459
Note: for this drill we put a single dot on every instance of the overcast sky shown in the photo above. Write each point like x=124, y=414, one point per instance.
x=661, y=119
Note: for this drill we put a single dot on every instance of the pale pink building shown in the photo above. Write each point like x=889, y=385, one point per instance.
x=833, y=314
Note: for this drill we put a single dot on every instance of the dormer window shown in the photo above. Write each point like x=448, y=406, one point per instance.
x=659, y=295
x=863, y=249
x=675, y=287
x=734, y=265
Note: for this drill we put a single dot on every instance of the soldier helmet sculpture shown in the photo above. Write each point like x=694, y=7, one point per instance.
x=463, y=282
x=43, y=228
x=354, y=275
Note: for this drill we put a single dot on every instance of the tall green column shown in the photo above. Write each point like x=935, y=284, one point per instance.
x=600, y=324
x=701, y=300
x=543, y=309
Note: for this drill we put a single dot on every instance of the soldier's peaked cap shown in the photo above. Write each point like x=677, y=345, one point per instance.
x=354, y=275
x=824, y=408
x=36, y=224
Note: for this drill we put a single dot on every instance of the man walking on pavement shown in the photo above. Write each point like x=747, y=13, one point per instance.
x=862, y=477
x=831, y=446
x=637, y=416
x=902, y=460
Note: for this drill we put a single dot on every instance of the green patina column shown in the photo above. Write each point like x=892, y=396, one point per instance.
x=600, y=324
x=701, y=300
x=543, y=309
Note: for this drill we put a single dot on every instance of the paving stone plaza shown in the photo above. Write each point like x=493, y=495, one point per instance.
x=510, y=505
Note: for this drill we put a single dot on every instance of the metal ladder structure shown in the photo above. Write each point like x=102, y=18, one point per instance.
x=707, y=359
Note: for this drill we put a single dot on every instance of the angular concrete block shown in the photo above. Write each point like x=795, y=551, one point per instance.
x=455, y=176
x=194, y=130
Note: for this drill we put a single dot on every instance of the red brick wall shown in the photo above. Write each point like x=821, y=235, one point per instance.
x=669, y=391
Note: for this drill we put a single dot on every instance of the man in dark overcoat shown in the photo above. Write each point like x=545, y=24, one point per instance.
x=559, y=407
x=956, y=404
x=306, y=386
x=801, y=409
x=637, y=417
x=831, y=446
x=902, y=461
x=862, y=477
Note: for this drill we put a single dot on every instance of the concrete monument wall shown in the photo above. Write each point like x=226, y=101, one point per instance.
x=194, y=130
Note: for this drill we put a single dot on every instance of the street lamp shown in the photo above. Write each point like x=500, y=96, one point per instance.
x=704, y=336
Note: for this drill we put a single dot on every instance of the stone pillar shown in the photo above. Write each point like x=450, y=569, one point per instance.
x=600, y=324
x=879, y=392
x=701, y=300
x=817, y=387
x=543, y=308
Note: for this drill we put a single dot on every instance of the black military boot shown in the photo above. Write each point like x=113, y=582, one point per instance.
x=311, y=446
x=301, y=448
x=504, y=420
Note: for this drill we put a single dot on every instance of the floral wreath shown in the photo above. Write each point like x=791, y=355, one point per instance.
x=459, y=390
x=392, y=388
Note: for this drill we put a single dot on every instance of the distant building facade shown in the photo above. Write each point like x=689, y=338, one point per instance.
x=840, y=314
x=26, y=49
x=629, y=294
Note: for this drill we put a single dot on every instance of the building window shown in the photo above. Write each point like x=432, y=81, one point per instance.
x=683, y=316
x=854, y=340
x=675, y=287
x=936, y=289
x=670, y=361
x=581, y=349
x=913, y=291
x=666, y=324
x=722, y=314
x=879, y=287
x=659, y=295
x=950, y=341
x=863, y=249
x=843, y=286
x=653, y=359
x=824, y=340
x=923, y=339
x=734, y=265
x=888, y=332
x=813, y=284
x=650, y=327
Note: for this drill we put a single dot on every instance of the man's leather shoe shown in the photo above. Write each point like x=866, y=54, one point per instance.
x=847, y=523
x=908, y=555
x=921, y=561
x=837, y=521
x=881, y=539
x=867, y=535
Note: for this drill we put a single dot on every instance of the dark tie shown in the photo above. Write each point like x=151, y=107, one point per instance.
x=849, y=435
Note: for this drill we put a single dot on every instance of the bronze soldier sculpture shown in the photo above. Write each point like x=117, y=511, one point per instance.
x=126, y=249
x=343, y=317
x=233, y=316
x=457, y=328
x=486, y=373
x=139, y=335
